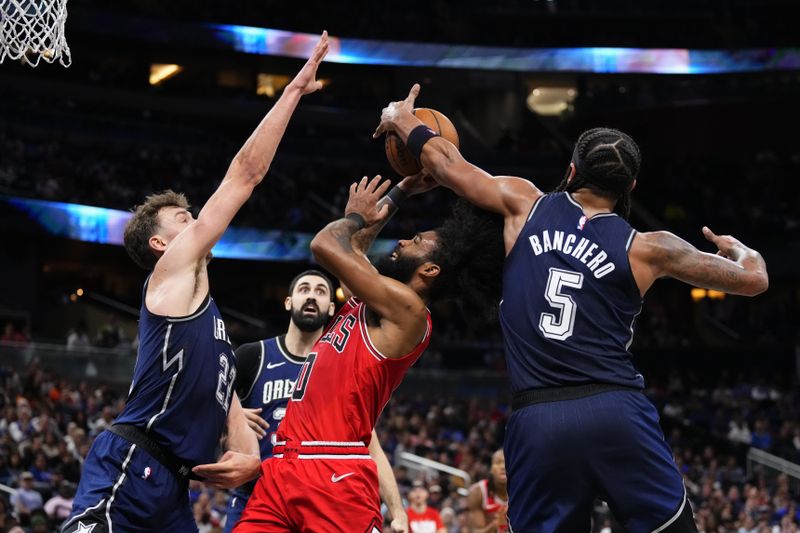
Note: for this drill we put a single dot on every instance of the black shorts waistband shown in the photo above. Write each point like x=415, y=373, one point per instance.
x=138, y=437
x=556, y=394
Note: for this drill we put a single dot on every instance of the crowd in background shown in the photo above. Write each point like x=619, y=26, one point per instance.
x=48, y=424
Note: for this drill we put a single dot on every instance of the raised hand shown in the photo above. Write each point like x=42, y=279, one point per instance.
x=363, y=201
x=400, y=524
x=256, y=422
x=729, y=247
x=418, y=183
x=394, y=110
x=306, y=80
x=233, y=469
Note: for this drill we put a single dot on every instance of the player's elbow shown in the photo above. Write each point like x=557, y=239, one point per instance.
x=321, y=247
x=249, y=169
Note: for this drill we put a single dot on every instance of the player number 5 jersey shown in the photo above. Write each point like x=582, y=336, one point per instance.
x=569, y=299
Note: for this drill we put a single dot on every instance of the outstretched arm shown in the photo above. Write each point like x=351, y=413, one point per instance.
x=388, y=486
x=245, y=171
x=505, y=195
x=396, y=303
x=735, y=269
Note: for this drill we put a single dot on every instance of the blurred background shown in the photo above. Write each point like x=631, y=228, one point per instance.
x=161, y=95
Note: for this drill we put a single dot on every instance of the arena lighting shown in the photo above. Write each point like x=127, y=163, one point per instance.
x=339, y=294
x=551, y=101
x=106, y=226
x=716, y=295
x=698, y=294
x=270, y=84
x=160, y=72
x=79, y=292
x=266, y=41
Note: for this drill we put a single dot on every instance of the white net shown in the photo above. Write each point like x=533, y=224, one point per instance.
x=32, y=30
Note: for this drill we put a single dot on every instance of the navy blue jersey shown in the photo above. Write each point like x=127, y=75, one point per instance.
x=266, y=379
x=569, y=299
x=182, y=382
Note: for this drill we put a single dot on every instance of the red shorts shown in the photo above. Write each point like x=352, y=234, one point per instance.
x=315, y=489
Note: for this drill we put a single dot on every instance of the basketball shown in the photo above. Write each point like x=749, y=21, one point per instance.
x=401, y=158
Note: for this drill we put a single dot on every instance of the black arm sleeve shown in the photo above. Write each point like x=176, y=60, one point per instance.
x=248, y=361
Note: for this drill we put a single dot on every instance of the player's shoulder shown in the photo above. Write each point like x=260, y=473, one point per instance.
x=476, y=491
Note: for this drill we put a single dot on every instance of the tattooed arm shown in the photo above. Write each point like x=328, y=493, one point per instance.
x=402, y=313
x=735, y=269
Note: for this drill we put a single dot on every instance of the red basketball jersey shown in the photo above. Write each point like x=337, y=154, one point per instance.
x=345, y=383
x=491, y=502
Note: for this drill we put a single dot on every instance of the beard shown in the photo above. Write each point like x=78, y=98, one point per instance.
x=402, y=269
x=308, y=323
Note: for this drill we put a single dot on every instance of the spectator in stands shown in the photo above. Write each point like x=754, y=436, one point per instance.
x=111, y=335
x=739, y=432
x=78, y=338
x=26, y=500
x=22, y=428
x=762, y=438
x=12, y=334
x=59, y=506
x=421, y=517
x=102, y=422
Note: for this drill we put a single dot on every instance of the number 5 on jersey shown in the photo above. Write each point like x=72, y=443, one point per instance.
x=560, y=327
x=302, y=379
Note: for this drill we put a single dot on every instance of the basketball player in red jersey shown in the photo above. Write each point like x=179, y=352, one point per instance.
x=321, y=477
x=487, y=501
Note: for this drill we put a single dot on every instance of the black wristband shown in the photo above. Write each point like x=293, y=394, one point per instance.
x=358, y=219
x=398, y=196
x=417, y=139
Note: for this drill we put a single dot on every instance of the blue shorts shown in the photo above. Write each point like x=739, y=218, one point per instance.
x=124, y=489
x=561, y=455
x=236, y=504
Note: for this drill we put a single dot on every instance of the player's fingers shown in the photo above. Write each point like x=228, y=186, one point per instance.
x=379, y=130
x=710, y=235
x=321, y=47
x=412, y=94
x=373, y=183
x=383, y=187
x=353, y=188
x=362, y=184
x=384, y=212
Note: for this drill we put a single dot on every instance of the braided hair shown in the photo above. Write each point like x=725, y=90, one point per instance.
x=607, y=162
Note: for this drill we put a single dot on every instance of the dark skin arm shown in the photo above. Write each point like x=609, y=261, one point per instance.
x=411, y=185
x=403, y=314
x=511, y=197
x=735, y=269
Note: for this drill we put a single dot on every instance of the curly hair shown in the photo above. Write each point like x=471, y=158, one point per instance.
x=607, y=162
x=470, y=253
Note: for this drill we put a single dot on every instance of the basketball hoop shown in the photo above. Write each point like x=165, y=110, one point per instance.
x=32, y=30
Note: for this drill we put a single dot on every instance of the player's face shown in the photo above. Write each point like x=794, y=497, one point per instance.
x=310, y=303
x=407, y=256
x=172, y=221
x=499, y=466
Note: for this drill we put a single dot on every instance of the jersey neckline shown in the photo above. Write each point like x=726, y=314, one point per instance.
x=280, y=341
x=579, y=206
